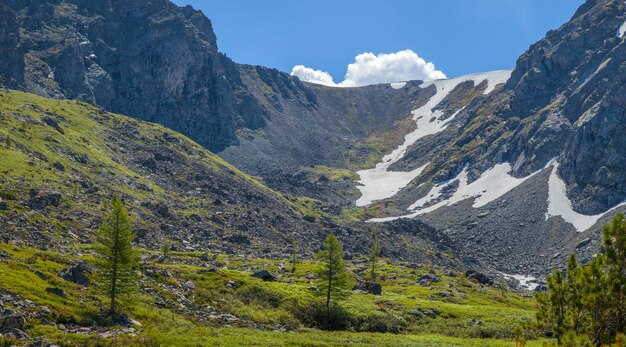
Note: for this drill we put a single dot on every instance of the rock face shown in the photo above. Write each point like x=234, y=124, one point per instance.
x=565, y=100
x=148, y=59
x=155, y=61
x=152, y=60
x=12, y=68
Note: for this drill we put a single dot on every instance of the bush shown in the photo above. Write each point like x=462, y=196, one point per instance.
x=382, y=323
x=336, y=318
x=252, y=292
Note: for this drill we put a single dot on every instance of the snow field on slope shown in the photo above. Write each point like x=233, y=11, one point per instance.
x=560, y=205
x=379, y=183
x=491, y=185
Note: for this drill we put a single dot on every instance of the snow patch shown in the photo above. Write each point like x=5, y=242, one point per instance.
x=494, y=79
x=398, y=85
x=491, y=185
x=594, y=74
x=526, y=282
x=379, y=183
x=622, y=30
x=560, y=205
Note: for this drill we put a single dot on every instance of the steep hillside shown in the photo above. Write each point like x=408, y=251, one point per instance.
x=530, y=172
x=62, y=159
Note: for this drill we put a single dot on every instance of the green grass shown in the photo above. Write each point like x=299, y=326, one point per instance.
x=474, y=316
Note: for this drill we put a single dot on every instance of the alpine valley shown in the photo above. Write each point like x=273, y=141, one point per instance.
x=474, y=188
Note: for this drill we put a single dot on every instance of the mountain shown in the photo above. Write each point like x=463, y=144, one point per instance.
x=516, y=168
x=61, y=160
x=148, y=59
x=530, y=172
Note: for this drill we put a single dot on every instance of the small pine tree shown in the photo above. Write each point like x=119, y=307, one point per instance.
x=597, y=299
x=118, y=258
x=588, y=306
x=332, y=275
x=553, y=305
x=165, y=249
x=614, y=237
x=294, y=256
x=574, y=288
x=7, y=141
x=373, y=258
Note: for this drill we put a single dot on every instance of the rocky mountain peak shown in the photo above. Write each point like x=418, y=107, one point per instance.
x=148, y=59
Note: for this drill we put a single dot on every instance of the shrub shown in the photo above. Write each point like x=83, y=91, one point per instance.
x=382, y=323
x=336, y=317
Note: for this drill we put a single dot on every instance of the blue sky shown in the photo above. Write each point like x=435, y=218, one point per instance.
x=458, y=36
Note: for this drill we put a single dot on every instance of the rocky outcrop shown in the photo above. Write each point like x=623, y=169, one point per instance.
x=565, y=100
x=148, y=59
x=12, y=67
x=77, y=273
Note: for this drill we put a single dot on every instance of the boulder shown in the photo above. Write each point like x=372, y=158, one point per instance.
x=478, y=277
x=40, y=200
x=3, y=205
x=583, y=243
x=57, y=165
x=264, y=275
x=10, y=320
x=77, y=273
x=375, y=288
x=41, y=275
x=428, y=279
x=17, y=334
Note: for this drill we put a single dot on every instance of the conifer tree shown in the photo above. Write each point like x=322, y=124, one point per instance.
x=597, y=300
x=333, y=279
x=589, y=304
x=374, y=257
x=574, y=292
x=614, y=238
x=553, y=305
x=118, y=258
x=294, y=256
x=165, y=248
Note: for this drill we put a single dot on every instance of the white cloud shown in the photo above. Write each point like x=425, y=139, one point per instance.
x=314, y=76
x=369, y=68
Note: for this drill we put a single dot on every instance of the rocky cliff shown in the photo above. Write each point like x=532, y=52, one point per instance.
x=148, y=59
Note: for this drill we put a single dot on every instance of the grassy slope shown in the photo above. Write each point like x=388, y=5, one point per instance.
x=112, y=147
x=472, y=313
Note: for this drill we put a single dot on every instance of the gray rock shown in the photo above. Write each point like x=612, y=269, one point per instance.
x=426, y=280
x=10, y=320
x=77, y=273
x=583, y=243
x=264, y=275
x=41, y=275
x=40, y=200
x=479, y=277
x=57, y=165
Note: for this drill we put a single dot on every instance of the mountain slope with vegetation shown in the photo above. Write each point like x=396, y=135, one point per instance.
x=62, y=159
